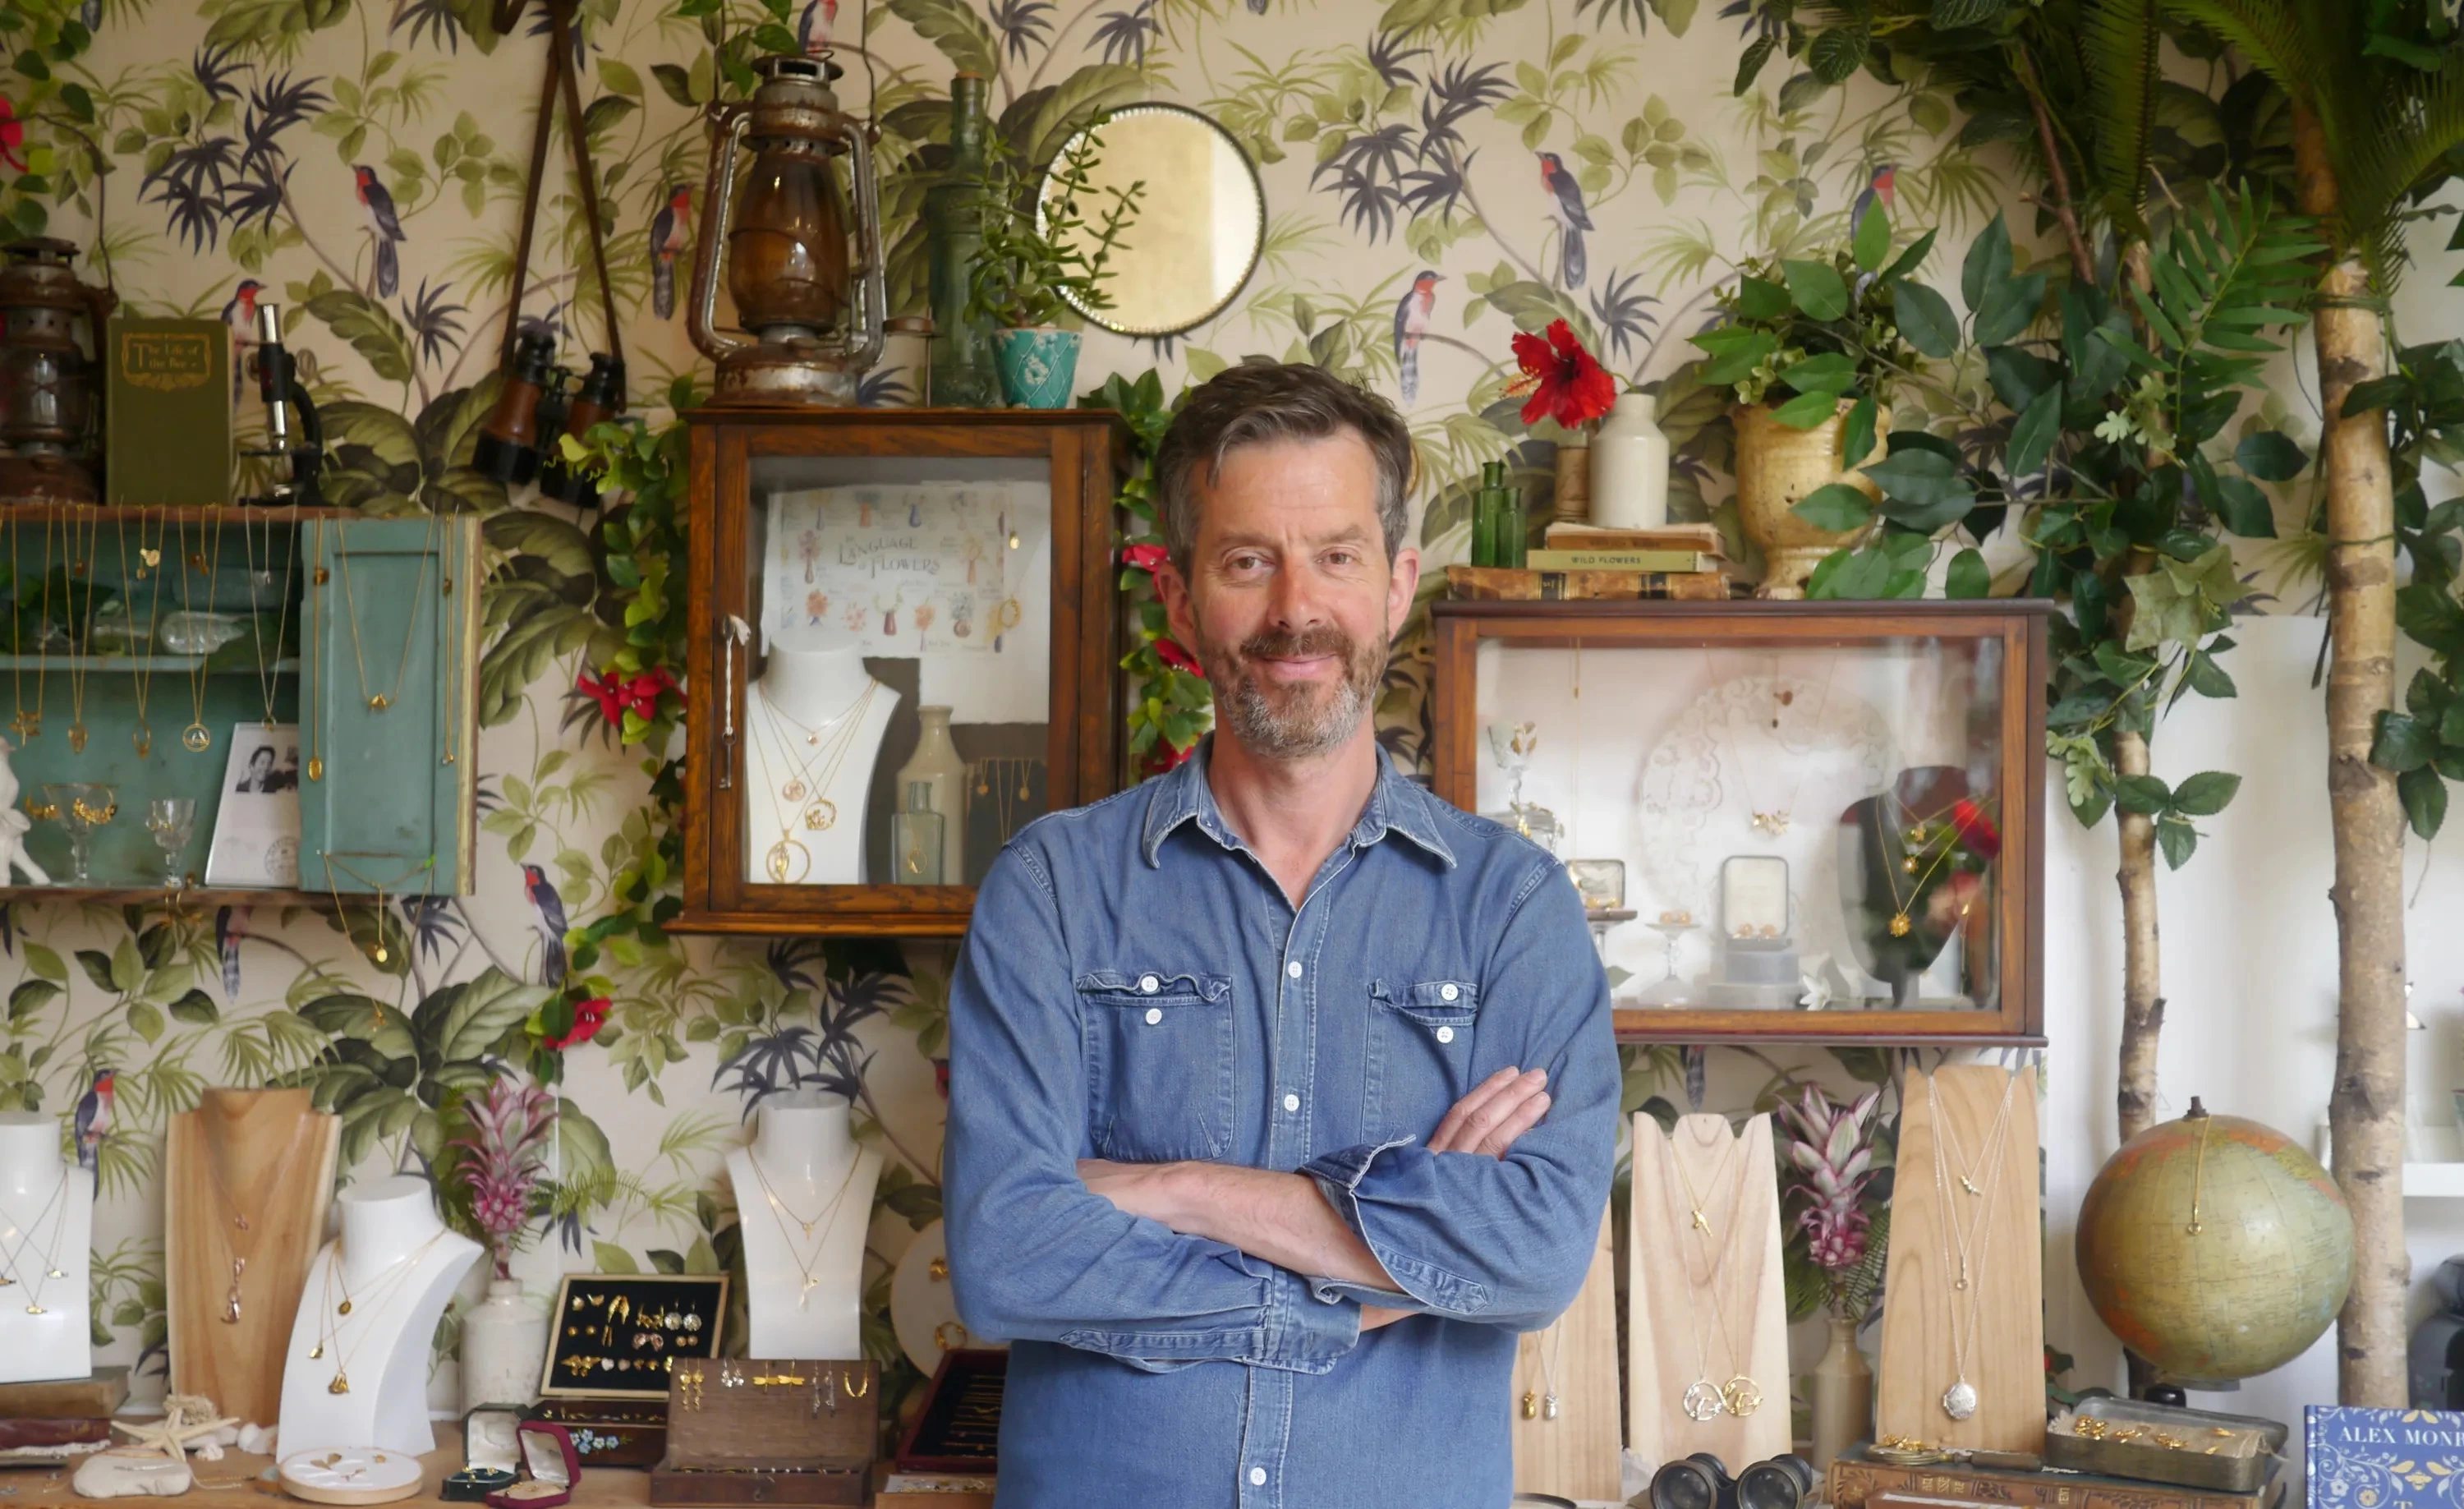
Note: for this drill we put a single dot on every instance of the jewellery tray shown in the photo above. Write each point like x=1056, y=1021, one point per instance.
x=771, y=1437
x=959, y=1428
x=609, y=1432
x=2144, y=1459
x=607, y=1338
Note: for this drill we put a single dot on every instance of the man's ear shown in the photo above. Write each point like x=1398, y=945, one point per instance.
x=1402, y=585
x=1180, y=612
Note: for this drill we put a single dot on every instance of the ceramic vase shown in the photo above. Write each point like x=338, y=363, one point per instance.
x=1037, y=366
x=1630, y=467
x=1842, y=1395
x=936, y=766
x=504, y=1343
x=1777, y=466
x=1573, y=500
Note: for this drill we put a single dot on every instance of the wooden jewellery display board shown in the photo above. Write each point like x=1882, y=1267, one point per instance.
x=1709, y=1299
x=1571, y=1453
x=264, y=1158
x=1991, y=1181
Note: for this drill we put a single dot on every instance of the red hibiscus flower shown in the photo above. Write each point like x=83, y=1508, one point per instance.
x=642, y=693
x=1145, y=557
x=1976, y=830
x=1565, y=382
x=1179, y=659
x=589, y=1017
x=617, y=697
x=12, y=136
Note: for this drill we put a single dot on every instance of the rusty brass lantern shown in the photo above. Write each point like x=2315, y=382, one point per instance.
x=47, y=382
x=805, y=277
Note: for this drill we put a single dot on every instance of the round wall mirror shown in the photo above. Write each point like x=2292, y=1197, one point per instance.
x=1200, y=223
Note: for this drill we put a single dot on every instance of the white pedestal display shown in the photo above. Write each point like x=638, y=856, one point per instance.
x=804, y=1197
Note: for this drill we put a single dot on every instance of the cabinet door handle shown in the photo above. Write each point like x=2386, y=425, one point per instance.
x=732, y=633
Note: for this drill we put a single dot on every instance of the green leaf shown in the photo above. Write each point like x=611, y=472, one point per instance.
x=371, y=329
x=1749, y=65
x=1857, y=436
x=620, y=77
x=2242, y=508
x=2177, y=839
x=45, y=962
x=1807, y=409
x=1837, y=53
x=2402, y=743
x=1831, y=372
x=2032, y=435
x=1821, y=293
x=96, y=965
x=1910, y=260
x=2271, y=456
x=674, y=82
x=1835, y=506
x=30, y=997
x=1921, y=489
x=1988, y=266
x=2205, y=793
x=2423, y=792
x=957, y=28
x=1860, y=574
x=2142, y=794
x=1871, y=245
x=2203, y=676
x=1949, y=14
x=145, y=1020
x=1926, y=320
x=1968, y=575
x=1761, y=298
x=2010, y=308
x=196, y=1008
x=609, y=1258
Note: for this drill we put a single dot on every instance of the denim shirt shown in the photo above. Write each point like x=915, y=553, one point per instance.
x=1137, y=987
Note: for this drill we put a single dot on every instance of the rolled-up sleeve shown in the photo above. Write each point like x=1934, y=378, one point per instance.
x=1034, y=1254
x=1507, y=1241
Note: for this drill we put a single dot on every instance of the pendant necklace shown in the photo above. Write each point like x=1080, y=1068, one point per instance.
x=16, y=1259
x=1959, y=1400
x=141, y=651
x=82, y=652
x=1705, y=1401
x=263, y=576
x=1914, y=834
x=788, y=861
x=197, y=737
x=829, y=1213
x=378, y=952
x=232, y=1219
x=1774, y=822
x=379, y=702
x=1548, y=1348
x=331, y=1316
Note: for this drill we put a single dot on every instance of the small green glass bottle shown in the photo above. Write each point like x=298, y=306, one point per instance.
x=963, y=373
x=1497, y=520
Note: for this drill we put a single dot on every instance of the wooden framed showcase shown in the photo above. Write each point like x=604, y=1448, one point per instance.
x=879, y=591
x=1816, y=822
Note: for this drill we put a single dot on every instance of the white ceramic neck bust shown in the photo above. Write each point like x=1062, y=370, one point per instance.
x=803, y=1289
x=47, y=1219
x=798, y=715
x=810, y=685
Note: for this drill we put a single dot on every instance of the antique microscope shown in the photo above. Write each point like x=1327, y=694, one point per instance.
x=278, y=385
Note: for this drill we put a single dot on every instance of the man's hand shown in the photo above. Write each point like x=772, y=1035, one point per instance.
x=1500, y=1108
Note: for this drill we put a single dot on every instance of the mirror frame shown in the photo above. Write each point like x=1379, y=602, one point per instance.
x=1257, y=186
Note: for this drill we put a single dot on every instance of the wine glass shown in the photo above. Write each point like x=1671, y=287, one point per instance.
x=171, y=819
x=79, y=808
x=1668, y=989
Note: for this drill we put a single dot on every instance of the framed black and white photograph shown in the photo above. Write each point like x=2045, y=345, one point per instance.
x=256, y=828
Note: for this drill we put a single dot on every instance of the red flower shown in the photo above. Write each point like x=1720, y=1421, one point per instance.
x=12, y=136
x=642, y=693
x=1164, y=757
x=1976, y=830
x=589, y=1017
x=1179, y=659
x=1145, y=557
x=1565, y=382
x=616, y=698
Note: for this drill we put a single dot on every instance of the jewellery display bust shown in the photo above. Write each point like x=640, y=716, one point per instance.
x=356, y=1374
x=803, y=1198
x=46, y=1234
x=815, y=723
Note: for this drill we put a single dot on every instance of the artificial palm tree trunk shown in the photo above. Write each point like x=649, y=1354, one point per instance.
x=2366, y=1110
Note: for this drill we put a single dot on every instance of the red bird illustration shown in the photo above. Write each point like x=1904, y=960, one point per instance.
x=240, y=314
x=547, y=915
x=383, y=229
x=814, y=27
x=94, y=1124
x=1566, y=208
x=1410, y=322
x=1879, y=185
x=670, y=229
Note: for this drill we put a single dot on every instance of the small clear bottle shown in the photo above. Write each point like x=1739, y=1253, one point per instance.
x=915, y=838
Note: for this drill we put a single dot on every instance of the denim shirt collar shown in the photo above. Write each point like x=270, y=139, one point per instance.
x=1183, y=794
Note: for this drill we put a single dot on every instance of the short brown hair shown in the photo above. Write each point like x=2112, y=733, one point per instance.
x=1260, y=401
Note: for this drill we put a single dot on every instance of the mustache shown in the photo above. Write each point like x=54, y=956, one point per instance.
x=1276, y=644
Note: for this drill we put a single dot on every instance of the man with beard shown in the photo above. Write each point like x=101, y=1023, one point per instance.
x=1281, y=1095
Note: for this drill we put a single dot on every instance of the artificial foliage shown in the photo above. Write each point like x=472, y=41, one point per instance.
x=1170, y=704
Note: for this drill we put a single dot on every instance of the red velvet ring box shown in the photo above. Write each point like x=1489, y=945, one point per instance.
x=554, y=1467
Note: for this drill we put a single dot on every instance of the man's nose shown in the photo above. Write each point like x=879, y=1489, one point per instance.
x=1297, y=599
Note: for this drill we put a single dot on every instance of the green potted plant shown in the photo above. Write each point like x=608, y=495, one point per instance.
x=1048, y=241
x=1811, y=349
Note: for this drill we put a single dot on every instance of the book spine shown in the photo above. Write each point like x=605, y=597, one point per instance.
x=1671, y=561
x=53, y=1432
x=94, y=1398
x=1854, y=1483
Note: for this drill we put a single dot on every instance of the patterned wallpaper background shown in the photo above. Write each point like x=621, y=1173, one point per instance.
x=1541, y=157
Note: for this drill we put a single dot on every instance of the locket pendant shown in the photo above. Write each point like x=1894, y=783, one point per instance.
x=144, y=739
x=340, y=1385
x=76, y=738
x=1959, y=1400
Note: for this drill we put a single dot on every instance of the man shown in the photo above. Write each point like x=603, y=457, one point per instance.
x=259, y=775
x=1283, y=1094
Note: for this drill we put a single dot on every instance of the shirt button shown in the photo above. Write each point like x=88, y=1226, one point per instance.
x=1446, y=1035
x=1154, y=1014
x=1294, y=970
x=1291, y=1102
x=1258, y=1475
x=1150, y=984
x=1448, y=992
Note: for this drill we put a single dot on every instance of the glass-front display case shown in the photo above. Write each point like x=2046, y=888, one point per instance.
x=905, y=622
x=1826, y=816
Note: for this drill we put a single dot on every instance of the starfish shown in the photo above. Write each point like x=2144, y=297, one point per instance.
x=170, y=1436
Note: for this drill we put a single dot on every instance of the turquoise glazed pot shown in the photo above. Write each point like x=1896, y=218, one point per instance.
x=1037, y=366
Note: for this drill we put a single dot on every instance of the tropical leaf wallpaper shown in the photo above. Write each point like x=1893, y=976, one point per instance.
x=1503, y=163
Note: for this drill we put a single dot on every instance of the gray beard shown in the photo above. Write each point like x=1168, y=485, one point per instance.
x=1302, y=727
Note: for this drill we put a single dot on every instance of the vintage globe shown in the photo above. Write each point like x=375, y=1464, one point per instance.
x=2214, y=1248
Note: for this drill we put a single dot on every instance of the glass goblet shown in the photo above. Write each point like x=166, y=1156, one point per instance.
x=81, y=807
x=171, y=819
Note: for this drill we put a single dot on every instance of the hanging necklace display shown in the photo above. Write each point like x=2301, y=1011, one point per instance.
x=16, y=1273
x=1740, y=1395
x=376, y=951
x=197, y=737
x=332, y=1317
x=267, y=680
x=379, y=702
x=1549, y=1348
x=839, y=731
x=829, y=1214
x=232, y=1222
x=28, y=723
x=1915, y=831
x=80, y=642
x=1774, y=822
x=788, y=861
x=1959, y=1401
x=142, y=681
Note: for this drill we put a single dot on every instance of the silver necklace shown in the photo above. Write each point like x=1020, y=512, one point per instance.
x=51, y=1268
x=1959, y=1401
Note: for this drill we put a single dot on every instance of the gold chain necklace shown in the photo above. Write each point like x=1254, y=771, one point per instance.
x=1774, y=822
x=376, y=951
x=197, y=737
x=841, y=732
x=1740, y=1395
x=780, y=1212
x=331, y=1316
x=312, y=644
x=141, y=682
x=1902, y=923
x=266, y=678
x=379, y=702
x=1959, y=1400
x=51, y=1268
x=82, y=652
x=30, y=724
x=788, y=861
x=237, y=1220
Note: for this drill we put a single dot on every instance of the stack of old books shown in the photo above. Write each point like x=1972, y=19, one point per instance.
x=52, y=1421
x=1581, y=562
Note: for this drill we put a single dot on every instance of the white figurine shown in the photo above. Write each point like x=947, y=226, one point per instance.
x=13, y=825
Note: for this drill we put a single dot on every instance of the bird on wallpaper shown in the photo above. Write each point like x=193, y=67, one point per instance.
x=547, y=915
x=815, y=27
x=383, y=229
x=90, y=14
x=240, y=314
x=1410, y=322
x=94, y=1124
x=1880, y=187
x=1566, y=208
x=669, y=228
x=230, y=927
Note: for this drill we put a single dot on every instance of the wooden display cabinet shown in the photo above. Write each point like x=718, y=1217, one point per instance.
x=1829, y=816
x=852, y=570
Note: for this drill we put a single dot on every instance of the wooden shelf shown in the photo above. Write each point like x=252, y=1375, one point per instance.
x=132, y=664
x=123, y=513
x=195, y=895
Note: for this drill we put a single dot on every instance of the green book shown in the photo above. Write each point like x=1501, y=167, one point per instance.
x=168, y=412
x=1620, y=561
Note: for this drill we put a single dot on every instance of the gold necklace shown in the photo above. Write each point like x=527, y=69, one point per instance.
x=788, y=861
x=379, y=702
x=141, y=682
x=81, y=655
x=51, y=1268
x=1740, y=1395
x=1959, y=1401
x=238, y=1219
x=331, y=1316
x=30, y=724
x=1901, y=924
x=377, y=951
x=197, y=737
x=266, y=678
x=841, y=732
x=780, y=1212
x=453, y=637
x=1773, y=823
x=312, y=641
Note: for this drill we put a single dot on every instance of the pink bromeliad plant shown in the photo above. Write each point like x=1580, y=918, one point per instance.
x=1828, y=1154
x=502, y=1158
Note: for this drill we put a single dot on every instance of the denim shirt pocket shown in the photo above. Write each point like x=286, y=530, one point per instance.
x=1419, y=1058
x=1159, y=1063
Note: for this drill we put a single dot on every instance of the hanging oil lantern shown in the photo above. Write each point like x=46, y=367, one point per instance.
x=805, y=275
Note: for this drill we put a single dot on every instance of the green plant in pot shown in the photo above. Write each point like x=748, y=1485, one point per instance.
x=1048, y=241
x=1811, y=349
